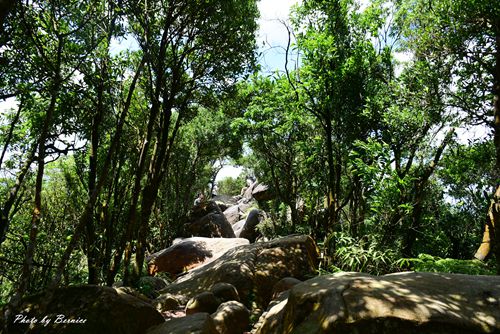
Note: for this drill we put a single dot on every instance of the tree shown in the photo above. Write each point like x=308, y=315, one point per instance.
x=190, y=49
x=279, y=133
x=463, y=36
x=340, y=74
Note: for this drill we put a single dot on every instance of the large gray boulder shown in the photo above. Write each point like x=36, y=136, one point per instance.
x=397, y=303
x=261, y=192
x=207, y=220
x=238, y=211
x=189, y=253
x=253, y=269
x=249, y=230
x=85, y=309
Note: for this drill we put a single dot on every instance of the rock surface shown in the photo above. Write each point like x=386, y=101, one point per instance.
x=231, y=317
x=261, y=192
x=249, y=230
x=238, y=211
x=190, y=253
x=207, y=220
x=253, y=269
x=283, y=285
x=205, y=302
x=225, y=292
x=198, y=323
x=166, y=302
x=102, y=310
x=395, y=303
x=238, y=227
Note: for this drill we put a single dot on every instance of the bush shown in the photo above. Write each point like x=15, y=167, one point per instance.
x=429, y=263
x=350, y=254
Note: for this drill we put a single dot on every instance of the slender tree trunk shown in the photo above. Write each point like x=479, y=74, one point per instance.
x=492, y=227
x=13, y=193
x=94, y=146
x=157, y=170
x=24, y=280
x=332, y=219
x=80, y=227
x=495, y=221
x=418, y=197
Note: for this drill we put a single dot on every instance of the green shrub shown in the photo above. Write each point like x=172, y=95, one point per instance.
x=360, y=255
x=429, y=263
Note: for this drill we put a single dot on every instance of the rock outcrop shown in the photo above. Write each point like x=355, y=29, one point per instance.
x=238, y=211
x=85, y=309
x=231, y=317
x=189, y=253
x=253, y=269
x=396, y=303
x=261, y=192
x=203, y=302
x=207, y=220
x=198, y=323
x=249, y=230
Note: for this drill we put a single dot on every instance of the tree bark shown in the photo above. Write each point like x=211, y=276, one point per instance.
x=13, y=193
x=419, y=193
x=332, y=219
x=492, y=228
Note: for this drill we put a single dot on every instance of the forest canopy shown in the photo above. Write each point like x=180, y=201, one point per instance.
x=375, y=158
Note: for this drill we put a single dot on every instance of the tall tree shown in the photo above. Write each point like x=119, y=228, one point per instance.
x=337, y=80
x=190, y=48
x=463, y=36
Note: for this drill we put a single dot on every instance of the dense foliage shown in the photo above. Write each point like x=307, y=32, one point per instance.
x=105, y=149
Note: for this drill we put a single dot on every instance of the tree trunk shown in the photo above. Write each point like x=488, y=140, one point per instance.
x=332, y=219
x=13, y=193
x=24, y=280
x=419, y=193
x=492, y=228
x=79, y=229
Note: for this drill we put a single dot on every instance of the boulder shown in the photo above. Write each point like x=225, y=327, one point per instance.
x=166, y=302
x=252, y=269
x=131, y=291
x=261, y=192
x=231, y=317
x=207, y=220
x=225, y=292
x=189, y=253
x=198, y=323
x=238, y=211
x=271, y=319
x=149, y=286
x=85, y=309
x=238, y=227
x=249, y=230
x=213, y=225
x=154, y=283
x=283, y=285
x=247, y=193
x=233, y=214
x=203, y=302
x=223, y=206
x=396, y=303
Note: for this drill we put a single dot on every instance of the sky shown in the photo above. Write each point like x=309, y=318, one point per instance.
x=272, y=38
